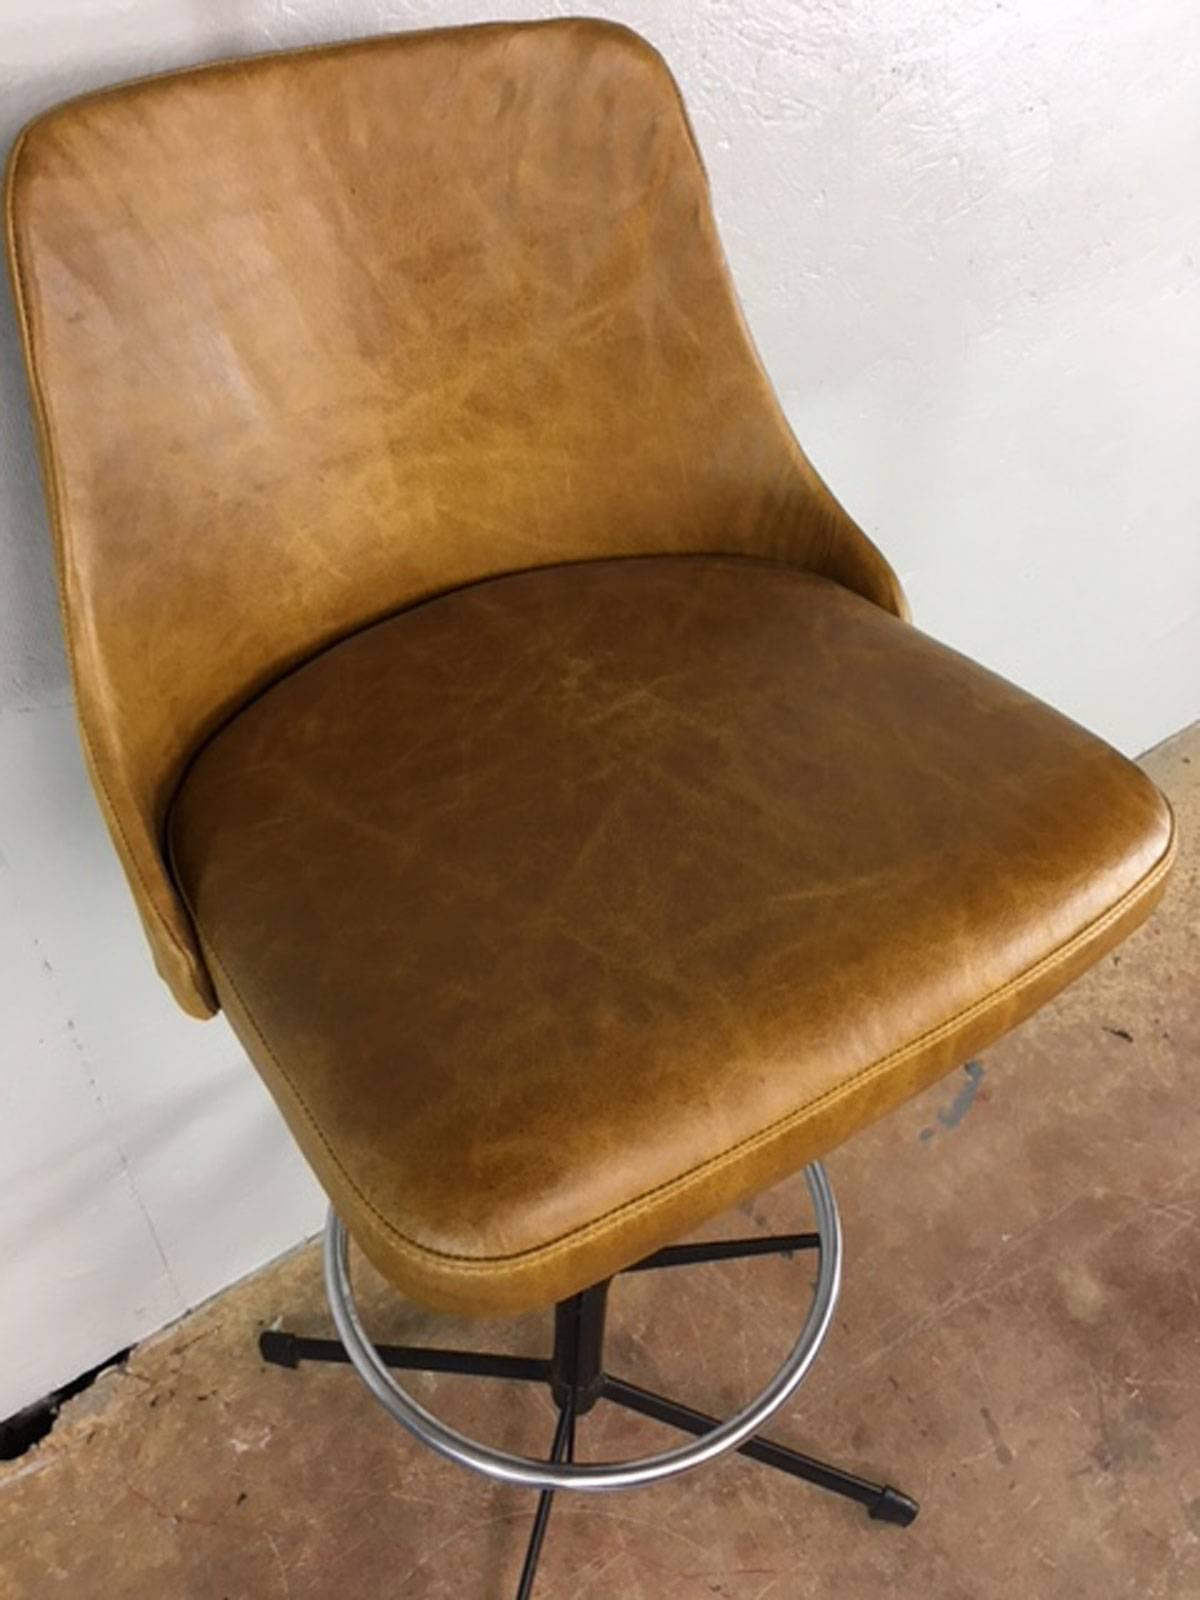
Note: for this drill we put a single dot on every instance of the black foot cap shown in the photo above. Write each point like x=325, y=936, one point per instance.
x=892, y=1506
x=279, y=1349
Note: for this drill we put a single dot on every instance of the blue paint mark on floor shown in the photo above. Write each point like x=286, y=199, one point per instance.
x=965, y=1098
x=953, y=1114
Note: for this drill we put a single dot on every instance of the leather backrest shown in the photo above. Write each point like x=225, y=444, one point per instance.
x=314, y=336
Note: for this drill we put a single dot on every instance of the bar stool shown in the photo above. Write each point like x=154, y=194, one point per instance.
x=494, y=713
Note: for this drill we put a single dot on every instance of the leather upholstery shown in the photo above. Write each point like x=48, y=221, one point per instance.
x=317, y=335
x=563, y=911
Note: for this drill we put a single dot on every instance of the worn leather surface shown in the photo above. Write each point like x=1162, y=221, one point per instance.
x=317, y=335
x=565, y=910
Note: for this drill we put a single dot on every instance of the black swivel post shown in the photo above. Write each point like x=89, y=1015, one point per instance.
x=577, y=1364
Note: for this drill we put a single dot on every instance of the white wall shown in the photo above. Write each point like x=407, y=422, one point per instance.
x=966, y=239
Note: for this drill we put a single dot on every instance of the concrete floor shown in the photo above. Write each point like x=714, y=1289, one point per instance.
x=1018, y=1345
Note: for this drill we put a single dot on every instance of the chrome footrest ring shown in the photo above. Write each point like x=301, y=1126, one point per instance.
x=592, y=1476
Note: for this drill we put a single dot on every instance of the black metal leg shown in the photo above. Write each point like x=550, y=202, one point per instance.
x=689, y=1255
x=563, y=1449
x=882, y=1502
x=283, y=1349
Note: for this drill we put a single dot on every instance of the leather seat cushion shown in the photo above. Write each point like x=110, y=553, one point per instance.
x=562, y=911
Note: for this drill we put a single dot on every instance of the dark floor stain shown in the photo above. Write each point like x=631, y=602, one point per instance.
x=1003, y=1454
x=1126, y=1447
x=1119, y=1033
x=1126, y=1442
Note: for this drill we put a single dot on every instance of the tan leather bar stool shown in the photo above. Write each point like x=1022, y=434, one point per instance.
x=493, y=711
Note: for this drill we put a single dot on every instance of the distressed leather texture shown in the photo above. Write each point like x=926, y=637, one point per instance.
x=492, y=709
x=317, y=335
x=565, y=910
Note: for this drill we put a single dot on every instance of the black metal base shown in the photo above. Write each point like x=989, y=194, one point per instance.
x=577, y=1379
